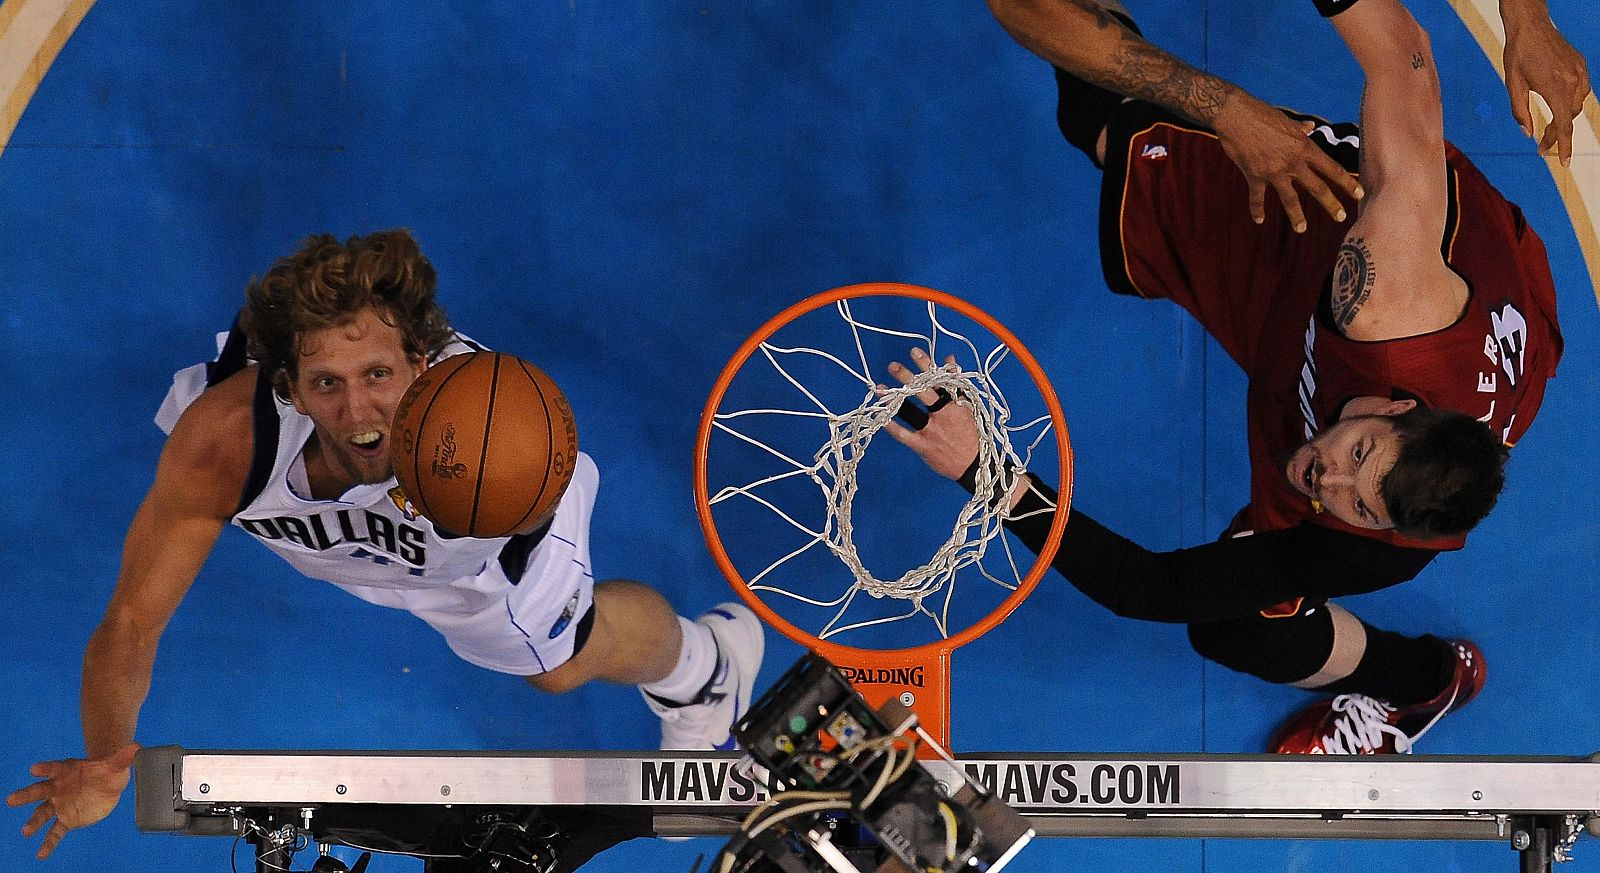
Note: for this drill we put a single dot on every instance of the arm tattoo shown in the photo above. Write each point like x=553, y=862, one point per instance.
x=1148, y=73
x=1353, y=277
x=1416, y=62
x=1145, y=72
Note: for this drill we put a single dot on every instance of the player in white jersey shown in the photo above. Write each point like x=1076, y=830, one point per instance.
x=286, y=437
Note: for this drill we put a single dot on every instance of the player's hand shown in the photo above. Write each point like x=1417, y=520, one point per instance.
x=949, y=440
x=1271, y=149
x=1539, y=59
x=74, y=793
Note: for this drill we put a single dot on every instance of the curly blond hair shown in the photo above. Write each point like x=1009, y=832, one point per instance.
x=328, y=284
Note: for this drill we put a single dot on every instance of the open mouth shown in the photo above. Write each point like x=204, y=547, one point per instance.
x=368, y=444
x=1302, y=474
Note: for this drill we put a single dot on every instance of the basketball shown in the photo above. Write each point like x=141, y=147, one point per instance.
x=484, y=444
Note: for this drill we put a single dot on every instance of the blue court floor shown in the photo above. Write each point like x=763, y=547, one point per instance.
x=621, y=192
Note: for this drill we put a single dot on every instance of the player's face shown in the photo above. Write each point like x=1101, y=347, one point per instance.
x=350, y=379
x=1343, y=469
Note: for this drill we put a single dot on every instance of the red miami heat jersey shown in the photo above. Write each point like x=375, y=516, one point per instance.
x=1176, y=224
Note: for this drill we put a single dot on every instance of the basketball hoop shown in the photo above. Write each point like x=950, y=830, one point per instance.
x=813, y=383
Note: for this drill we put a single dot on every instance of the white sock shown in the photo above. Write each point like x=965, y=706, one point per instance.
x=697, y=660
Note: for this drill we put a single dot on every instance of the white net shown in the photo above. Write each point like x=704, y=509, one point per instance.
x=1006, y=449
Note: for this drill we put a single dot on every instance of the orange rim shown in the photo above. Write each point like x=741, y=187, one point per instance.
x=937, y=649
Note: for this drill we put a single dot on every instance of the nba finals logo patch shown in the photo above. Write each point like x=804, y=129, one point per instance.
x=403, y=503
x=1154, y=152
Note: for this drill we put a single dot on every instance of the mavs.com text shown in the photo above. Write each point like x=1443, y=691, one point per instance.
x=1020, y=784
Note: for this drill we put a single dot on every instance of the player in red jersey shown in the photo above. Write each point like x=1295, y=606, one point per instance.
x=1391, y=361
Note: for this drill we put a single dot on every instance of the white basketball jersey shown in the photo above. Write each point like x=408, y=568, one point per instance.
x=370, y=536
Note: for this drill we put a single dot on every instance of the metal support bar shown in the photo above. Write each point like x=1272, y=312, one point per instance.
x=1540, y=804
x=1187, y=826
x=1534, y=838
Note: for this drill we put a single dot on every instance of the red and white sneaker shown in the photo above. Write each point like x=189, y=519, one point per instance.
x=1355, y=724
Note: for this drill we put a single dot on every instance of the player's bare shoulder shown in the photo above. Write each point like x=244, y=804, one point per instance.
x=207, y=457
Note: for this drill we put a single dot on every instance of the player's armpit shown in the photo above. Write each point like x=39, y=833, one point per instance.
x=1390, y=279
x=1390, y=282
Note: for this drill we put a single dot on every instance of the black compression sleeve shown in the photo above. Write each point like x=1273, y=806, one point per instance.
x=1216, y=581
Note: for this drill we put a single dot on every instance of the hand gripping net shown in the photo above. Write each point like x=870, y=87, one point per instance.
x=833, y=468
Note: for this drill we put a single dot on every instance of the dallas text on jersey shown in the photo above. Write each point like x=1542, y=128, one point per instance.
x=363, y=527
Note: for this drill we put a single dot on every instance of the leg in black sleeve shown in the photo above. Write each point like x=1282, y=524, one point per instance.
x=1387, y=689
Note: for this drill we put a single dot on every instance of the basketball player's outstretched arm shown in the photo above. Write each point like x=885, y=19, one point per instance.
x=1234, y=578
x=198, y=481
x=1389, y=278
x=1270, y=149
x=1539, y=59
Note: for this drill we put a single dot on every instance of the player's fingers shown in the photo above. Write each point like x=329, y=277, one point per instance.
x=41, y=816
x=945, y=397
x=1551, y=131
x=51, y=840
x=1336, y=175
x=1518, y=89
x=930, y=398
x=904, y=377
x=31, y=794
x=901, y=434
x=1291, y=204
x=46, y=769
x=1349, y=184
x=909, y=412
x=1258, y=201
x=921, y=359
x=1558, y=140
x=913, y=415
x=1563, y=124
x=1320, y=192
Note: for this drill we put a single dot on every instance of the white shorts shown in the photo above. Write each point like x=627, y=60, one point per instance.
x=525, y=627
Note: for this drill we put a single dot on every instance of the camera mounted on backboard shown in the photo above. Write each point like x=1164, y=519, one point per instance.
x=849, y=794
